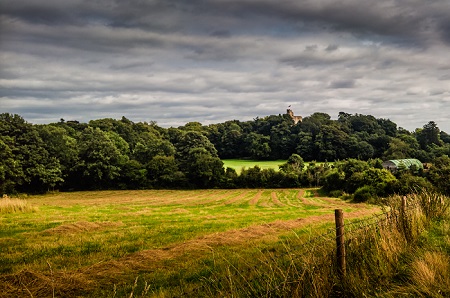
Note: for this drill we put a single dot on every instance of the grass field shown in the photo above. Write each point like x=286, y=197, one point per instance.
x=97, y=244
x=238, y=164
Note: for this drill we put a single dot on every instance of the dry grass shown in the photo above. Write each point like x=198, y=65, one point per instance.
x=13, y=205
x=79, y=227
x=430, y=273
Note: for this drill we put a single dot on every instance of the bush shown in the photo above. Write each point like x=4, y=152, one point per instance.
x=336, y=193
x=364, y=193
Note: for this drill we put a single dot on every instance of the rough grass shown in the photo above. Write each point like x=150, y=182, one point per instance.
x=13, y=205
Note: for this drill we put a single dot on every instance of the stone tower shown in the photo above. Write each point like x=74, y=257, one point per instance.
x=296, y=119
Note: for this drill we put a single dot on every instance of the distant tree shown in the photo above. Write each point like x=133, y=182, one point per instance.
x=428, y=135
x=99, y=162
x=202, y=169
x=294, y=164
x=258, y=146
x=281, y=141
x=398, y=149
x=33, y=170
x=163, y=172
x=389, y=127
x=439, y=174
x=198, y=160
x=445, y=137
x=11, y=172
x=305, y=146
x=332, y=143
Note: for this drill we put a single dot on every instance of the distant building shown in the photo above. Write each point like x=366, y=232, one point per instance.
x=296, y=119
x=394, y=164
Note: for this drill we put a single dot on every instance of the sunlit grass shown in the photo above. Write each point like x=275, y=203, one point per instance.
x=238, y=164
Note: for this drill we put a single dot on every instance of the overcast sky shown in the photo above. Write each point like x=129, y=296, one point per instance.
x=176, y=61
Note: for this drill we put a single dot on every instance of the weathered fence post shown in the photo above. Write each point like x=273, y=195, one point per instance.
x=339, y=219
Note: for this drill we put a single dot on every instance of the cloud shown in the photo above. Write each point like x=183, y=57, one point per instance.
x=176, y=61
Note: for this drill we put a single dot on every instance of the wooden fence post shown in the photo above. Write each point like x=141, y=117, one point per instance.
x=339, y=219
x=404, y=204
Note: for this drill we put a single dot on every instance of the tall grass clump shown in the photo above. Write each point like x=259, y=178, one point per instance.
x=283, y=270
x=13, y=205
x=434, y=205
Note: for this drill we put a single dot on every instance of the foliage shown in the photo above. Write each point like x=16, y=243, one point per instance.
x=120, y=154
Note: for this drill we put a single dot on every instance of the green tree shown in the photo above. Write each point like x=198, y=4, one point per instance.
x=294, y=164
x=99, y=162
x=258, y=146
x=38, y=170
x=439, y=174
x=198, y=160
x=11, y=173
x=163, y=171
x=398, y=149
x=428, y=135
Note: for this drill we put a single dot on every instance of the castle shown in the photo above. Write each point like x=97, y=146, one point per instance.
x=296, y=119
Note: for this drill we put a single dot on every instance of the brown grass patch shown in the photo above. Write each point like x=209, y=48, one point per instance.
x=256, y=198
x=431, y=273
x=81, y=226
x=237, y=198
x=13, y=205
x=275, y=199
x=179, y=211
x=34, y=284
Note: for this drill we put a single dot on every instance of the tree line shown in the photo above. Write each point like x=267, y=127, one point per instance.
x=344, y=155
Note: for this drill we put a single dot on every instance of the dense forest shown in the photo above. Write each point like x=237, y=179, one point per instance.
x=344, y=155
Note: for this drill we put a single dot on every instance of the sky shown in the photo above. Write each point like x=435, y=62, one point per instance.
x=210, y=61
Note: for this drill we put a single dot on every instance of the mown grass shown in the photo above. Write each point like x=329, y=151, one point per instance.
x=90, y=241
x=222, y=243
x=405, y=254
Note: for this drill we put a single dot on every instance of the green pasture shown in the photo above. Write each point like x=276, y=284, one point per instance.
x=100, y=239
x=238, y=164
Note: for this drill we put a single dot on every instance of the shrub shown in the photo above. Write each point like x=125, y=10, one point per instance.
x=364, y=193
x=336, y=193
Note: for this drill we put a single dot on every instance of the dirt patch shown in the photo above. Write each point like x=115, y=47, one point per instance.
x=81, y=226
